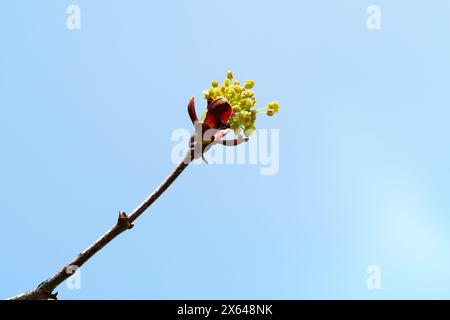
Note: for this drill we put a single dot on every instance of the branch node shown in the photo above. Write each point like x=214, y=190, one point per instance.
x=124, y=221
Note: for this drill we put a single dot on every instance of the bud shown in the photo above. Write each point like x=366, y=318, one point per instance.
x=248, y=94
x=229, y=75
x=236, y=108
x=249, y=84
x=234, y=126
x=270, y=112
x=275, y=106
x=247, y=103
x=215, y=83
x=249, y=130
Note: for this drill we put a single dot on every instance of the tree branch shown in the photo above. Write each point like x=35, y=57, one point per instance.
x=44, y=291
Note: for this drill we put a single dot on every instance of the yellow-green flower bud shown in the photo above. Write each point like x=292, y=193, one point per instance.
x=234, y=126
x=248, y=103
x=242, y=100
x=249, y=84
x=249, y=130
x=275, y=106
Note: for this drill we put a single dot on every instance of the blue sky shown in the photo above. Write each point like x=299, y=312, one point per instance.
x=87, y=115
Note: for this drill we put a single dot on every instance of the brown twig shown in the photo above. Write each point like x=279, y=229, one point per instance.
x=44, y=291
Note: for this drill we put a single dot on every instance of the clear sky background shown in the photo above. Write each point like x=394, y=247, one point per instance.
x=86, y=118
